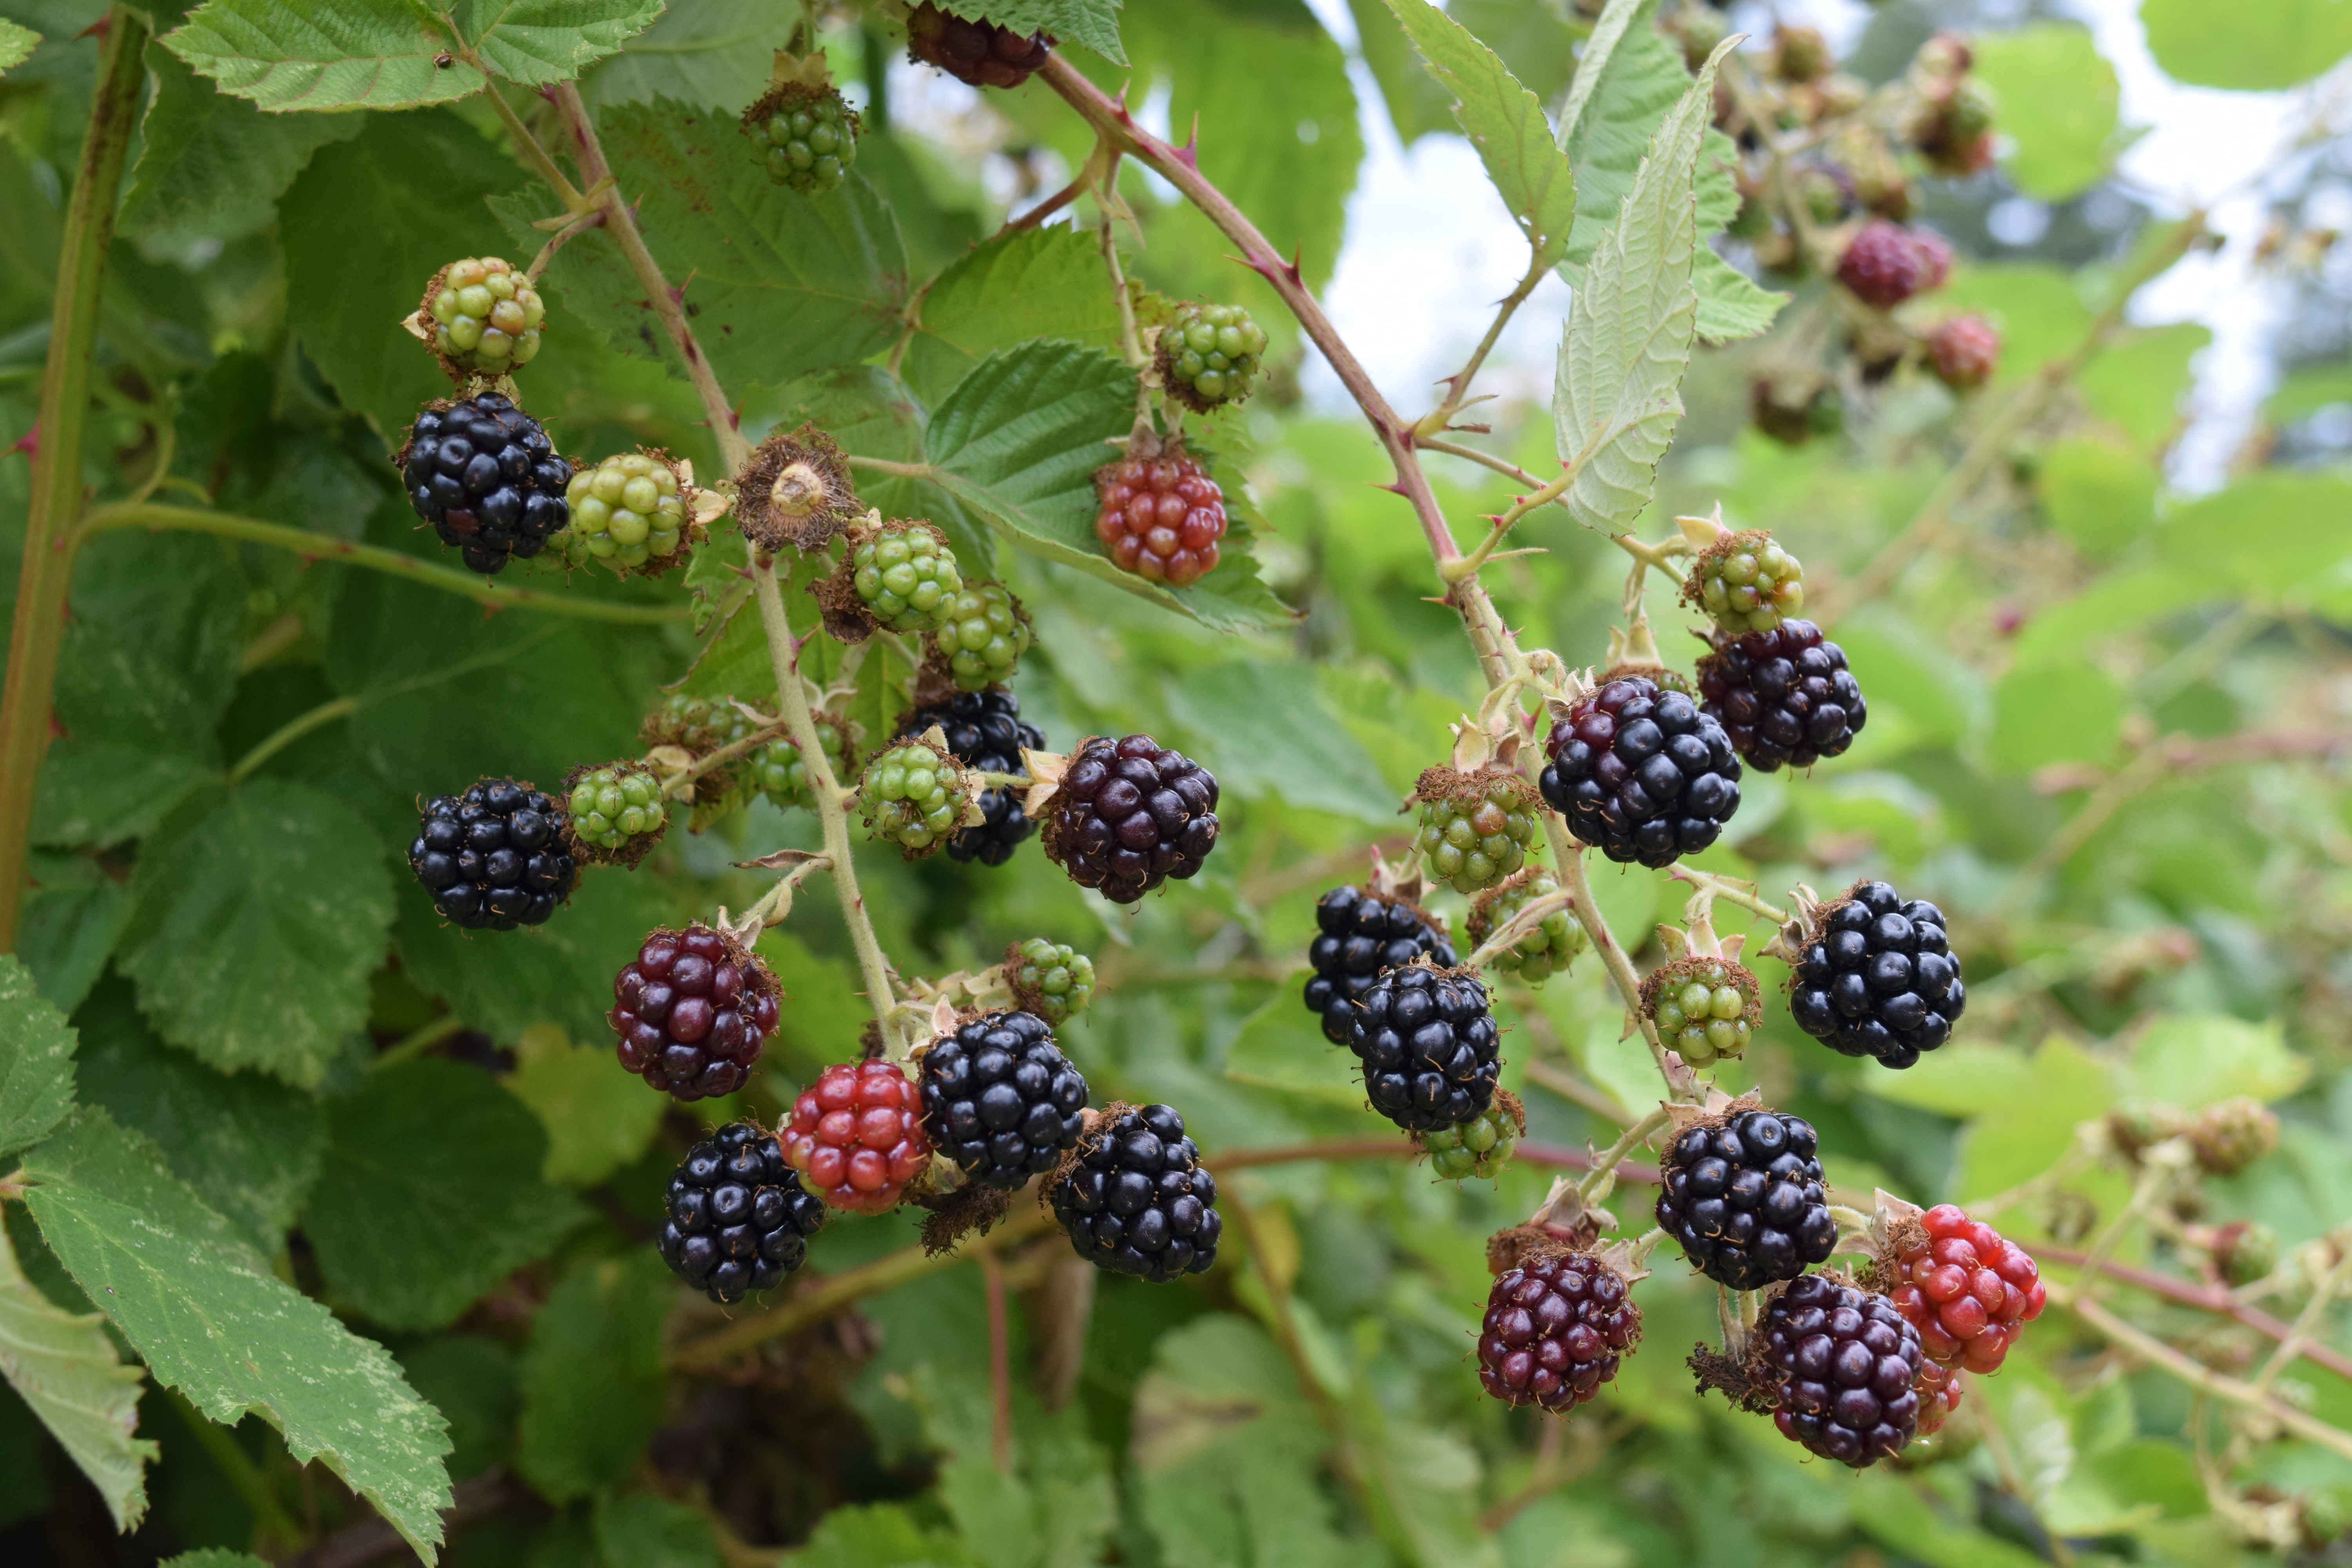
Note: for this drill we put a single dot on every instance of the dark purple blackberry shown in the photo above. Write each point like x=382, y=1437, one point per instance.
x=1845, y=1359
x=1555, y=1331
x=737, y=1218
x=1430, y=1048
x=984, y=731
x=1001, y=1099
x=1745, y=1199
x=693, y=1011
x=1878, y=977
x=980, y=53
x=1641, y=774
x=483, y=473
x=1358, y=936
x=1782, y=696
x=1138, y=1200
x=493, y=858
x=1129, y=814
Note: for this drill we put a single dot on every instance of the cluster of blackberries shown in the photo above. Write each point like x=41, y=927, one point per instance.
x=1642, y=772
x=1878, y=977
x=493, y=858
x=985, y=732
x=1001, y=1099
x=1360, y=936
x=484, y=474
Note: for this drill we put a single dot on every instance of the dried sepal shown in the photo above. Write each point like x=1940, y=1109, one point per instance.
x=795, y=490
x=1714, y=1111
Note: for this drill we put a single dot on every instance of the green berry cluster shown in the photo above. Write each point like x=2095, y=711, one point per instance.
x=812, y=141
x=1051, y=979
x=486, y=316
x=1479, y=1147
x=913, y=796
x=778, y=771
x=612, y=807
x=1703, y=1009
x=1209, y=354
x=1748, y=584
x=905, y=576
x=1476, y=827
x=1545, y=949
x=982, y=635
x=627, y=510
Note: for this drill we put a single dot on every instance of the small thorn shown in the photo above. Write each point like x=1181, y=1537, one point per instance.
x=96, y=29
x=29, y=443
x=1293, y=269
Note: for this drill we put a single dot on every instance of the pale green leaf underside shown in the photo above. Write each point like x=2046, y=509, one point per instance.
x=210, y=1320
x=204, y=154
x=64, y=1369
x=1091, y=22
x=16, y=44
x=37, y=1065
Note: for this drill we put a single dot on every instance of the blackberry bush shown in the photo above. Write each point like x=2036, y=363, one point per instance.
x=1474, y=826
x=986, y=734
x=1479, y=1147
x=979, y=54
x=1641, y=774
x=1130, y=813
x=1784, y=697
x=1209, y=355
x=1001, y=1099
x=982, y=636
x=694, y=1009
x=914, y=795
x=1160, y=515
x=736, y=1218
x=484, y=474
x=1547, y=948
x=493, y=858
x=1429, y=1046
x=483, y=316
x=1136, y=1199
x=1555, y=1330
x=1843, y=1360
x=1746, y=582
x=856, y=1135
x=1743, y=1194
x=1968, y=1291
x=1050, y=979
x=628, y=513
x=1360, y=936
x=1878, y=977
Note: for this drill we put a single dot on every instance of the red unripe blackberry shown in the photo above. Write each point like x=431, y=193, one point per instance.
x=693, y=1011
x=1939, y=1389
x=1964, y=351
x=1160, y=518
x=1429, y=1046
x=1001, y=1099
x=1878, y=977
x=1138, y=1200
x=1845, y=1360
x=856, y=1134
x=484, y=474
x=1358, y=937
x=1885, y=263
x=1554, y=1332
x=1746, y=1199
x=494, y=858
x=978, y=53
x=736, y=1218
x=1966, y=1289
x=1130, y=813
x=1783, y=695
x=1641, y=774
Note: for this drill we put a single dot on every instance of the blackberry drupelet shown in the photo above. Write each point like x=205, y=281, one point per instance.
x=1878, y=977
x=1481, y=1146
x=1555, y=1331
x=493, y=858
x=1429, y=1046
x=1704, y=1008
x=1745, y=1198
x=1137, y=1200
x=736, y=1218
x=484, y=474
x=1001, y=1099
x=985, y=732
x=1845, y=1361
x=1784, y=697
x=1130, y=813
x=1642, y=772
x=1360, y=935
x=616, y=813
x=693, y=1011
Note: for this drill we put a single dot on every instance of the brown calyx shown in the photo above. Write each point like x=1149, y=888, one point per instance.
x=795, y=490
x=1444, y=784
x=1694, y=968
x=792, y=93
x=1098, y=1125
x=955, y=1215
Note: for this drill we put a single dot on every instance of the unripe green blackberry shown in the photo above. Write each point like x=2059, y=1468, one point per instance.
x=2232, y=1135
x=1746, y=582
x=1481, y=1146
x=1052, y=980
x=1209, y=355
x=1546, y=949
x=628, y=510
x=778, y=771
x=905, y=575
x=915, y=796
x=615, y=812
x=811, y=136
x=483, y=315
x=1476, y=826
x=1704, y=1008
x=983, y=635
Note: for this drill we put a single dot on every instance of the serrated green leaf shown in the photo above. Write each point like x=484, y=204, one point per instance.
x=210, y=1320
x=592, y=1376
x=1503, y=121
x=257, y=915
x=598, y=1118
x=205, y=155
x=37, y=1060
x=1261, y=726
x=382, y=54
x=214, y=1557
x=1618, y=394
x=65, y=1368
x=431, y=1192
x=2257, y=47
x=1091, y=22
x=711, y=53
x=16, y=45
x=1035, y=283
x=73, y=914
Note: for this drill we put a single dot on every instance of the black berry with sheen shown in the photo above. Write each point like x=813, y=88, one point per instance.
x=1554, y=1333
x=484, y=474
x=1129, y=814
x=1746, y=1201
x=1001, y=1099
x=1138, y=1201
x=985, y=732
x=1429, y=1046
x=1358, y=937
x=1845, y=1361
x=493, y=858
x=1641, y=774
x=693, y=1013
x=737, y=1218
x=1783, y=695
x=1879, y=977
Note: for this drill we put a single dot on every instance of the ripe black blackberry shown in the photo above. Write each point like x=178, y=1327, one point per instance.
x=737, y=1218
x=1845, y=1360
x=1878, y=977
x=985, y=732
x=1554, y=1332
x=484, y=474
x=493, y=858
x=1744, y=1196
x=1783, y=695
x=1360, y=936
x=1137, y=1200
x=1001, y=1099
x=1130, y=813
x=1641, y=772
x=1429, y=1046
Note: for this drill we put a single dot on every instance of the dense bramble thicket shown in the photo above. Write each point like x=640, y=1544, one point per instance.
x=728, y=837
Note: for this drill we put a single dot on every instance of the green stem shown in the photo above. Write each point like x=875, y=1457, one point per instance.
x=288, y=732
x=417, y=1041
x=37, y=629
x=1603, y=1174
